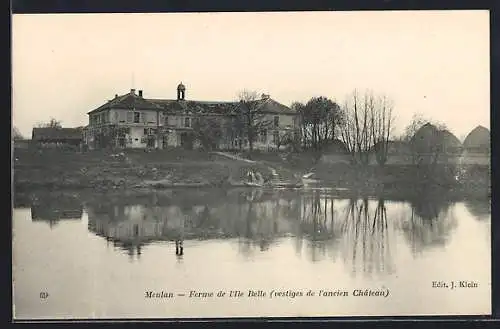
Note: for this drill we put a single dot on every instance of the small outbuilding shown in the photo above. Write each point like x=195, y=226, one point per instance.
x=478, y=140
x=476, y=147
x=430, y=144
x=57, y=136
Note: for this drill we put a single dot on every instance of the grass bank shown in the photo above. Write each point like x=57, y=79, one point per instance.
x=51, y=169
x=102, y=170
x=393, y=179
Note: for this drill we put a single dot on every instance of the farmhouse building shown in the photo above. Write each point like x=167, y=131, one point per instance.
x=133, y=121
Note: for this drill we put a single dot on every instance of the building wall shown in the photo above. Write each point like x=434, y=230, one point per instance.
x=135, y=138
x=284, y=120
x=125, y=117
x=148, y=119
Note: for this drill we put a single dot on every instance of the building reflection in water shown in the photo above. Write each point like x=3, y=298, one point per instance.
x=359, y=232
x=55, y=207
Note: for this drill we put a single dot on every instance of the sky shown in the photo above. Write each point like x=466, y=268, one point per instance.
x=431, y=62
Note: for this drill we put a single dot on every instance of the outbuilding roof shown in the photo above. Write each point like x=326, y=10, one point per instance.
x=478, y=137
x=61, y=134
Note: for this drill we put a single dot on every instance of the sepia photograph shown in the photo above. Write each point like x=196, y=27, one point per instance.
x=250, y=165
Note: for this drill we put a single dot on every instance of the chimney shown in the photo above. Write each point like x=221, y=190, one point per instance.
x=132, y=91
x=116, y=95
x=140, y=93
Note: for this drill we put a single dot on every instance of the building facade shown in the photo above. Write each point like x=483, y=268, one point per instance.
x=132, y=121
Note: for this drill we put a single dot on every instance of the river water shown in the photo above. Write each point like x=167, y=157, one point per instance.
x=247, y=253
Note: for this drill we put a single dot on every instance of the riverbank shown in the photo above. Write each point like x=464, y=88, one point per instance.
x=139, y=170
x=101, y=170
x=392, y=179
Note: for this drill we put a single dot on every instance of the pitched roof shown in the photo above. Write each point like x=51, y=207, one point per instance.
x=450, y=140
x=479, y=136
x=56, y=134
x=173, y=106
x=269, y=105
x=220, y=107
x=128, y=101
x=428, y=132
x=131, y=100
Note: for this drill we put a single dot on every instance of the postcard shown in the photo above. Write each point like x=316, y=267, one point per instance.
x=264, y=164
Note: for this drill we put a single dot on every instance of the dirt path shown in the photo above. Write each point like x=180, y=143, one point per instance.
x=234, y=157
x=280, y=175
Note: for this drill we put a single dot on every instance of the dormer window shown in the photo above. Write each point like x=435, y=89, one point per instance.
x=187, y=122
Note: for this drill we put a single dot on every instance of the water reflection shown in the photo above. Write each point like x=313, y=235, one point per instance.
x=53, y=208
x=479, y=208
x=361, y=233
x=429, y=223
x=367, y=237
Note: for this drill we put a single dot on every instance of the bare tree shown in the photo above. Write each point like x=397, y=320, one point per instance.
x=356, y=130
x=284, y=139
x=53, y=123
x=250, y=116
x=367, y=123
x=16, y=134
x=381, y=126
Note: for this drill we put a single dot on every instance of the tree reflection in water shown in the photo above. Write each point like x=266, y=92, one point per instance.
x=317, y=225
x=366, y=243
x=479, y=208
x=428, y=224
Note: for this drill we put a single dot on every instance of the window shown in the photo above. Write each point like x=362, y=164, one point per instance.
x=276, y=136
x=124, y=131
x=166, y=120
x=130, y=117
x=187, y=122
x=276, y=121
x=137, y=117
x=149, y=131
x=263, y=136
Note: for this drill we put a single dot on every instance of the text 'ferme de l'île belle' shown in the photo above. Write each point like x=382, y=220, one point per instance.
x=273, y=293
